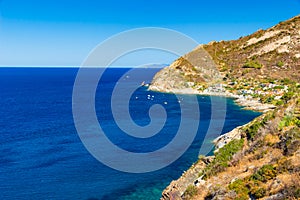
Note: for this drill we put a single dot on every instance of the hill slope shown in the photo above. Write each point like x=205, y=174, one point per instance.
x=266, y=57
x=260, y=160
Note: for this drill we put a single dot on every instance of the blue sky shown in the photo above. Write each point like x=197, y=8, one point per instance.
x=63, y=32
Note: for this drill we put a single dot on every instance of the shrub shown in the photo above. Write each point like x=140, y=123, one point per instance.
x=297, y=122
x=279, y=87
x=287, y=96
x=280, y=64
x=258, y=192
x=279, y=103
x=267, y=99
x=251, y=131
x=222, y=157
x=284, y=165
x=297, y=193
x=225, y=154
x=291, y=141
x=267, y=172
x=252, y=64
x=240, y=189
x=286, y=121
x=286, y=81
x=190, y=191
x=224, y=69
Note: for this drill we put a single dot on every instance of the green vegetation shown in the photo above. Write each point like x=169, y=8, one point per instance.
x=287, y=96
x=253, y=128
x=190, y=191
x=286, y=81
x=252, y=185
x=291, y=142
x=258, y=192
x=278, y=87
x=267, y=98
x=297, y=193
x=267, y=172
x=288, y=120
x=224, y=69
x=253, y=64
x=240, y=189
x=280, y=64
x=257, y=184
x=251, y=131
x=279, y=103
x=222, y=157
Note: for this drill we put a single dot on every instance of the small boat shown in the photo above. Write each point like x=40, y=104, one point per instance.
x=144, y=84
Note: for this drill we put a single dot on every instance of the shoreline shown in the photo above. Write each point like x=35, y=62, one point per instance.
x=247, y=102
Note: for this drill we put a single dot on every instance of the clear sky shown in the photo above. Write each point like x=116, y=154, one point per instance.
x=63, y=32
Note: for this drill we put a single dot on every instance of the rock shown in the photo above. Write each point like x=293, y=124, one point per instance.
x=275, y=197
x=176, y=188
x=208, y=159
x=228, y=137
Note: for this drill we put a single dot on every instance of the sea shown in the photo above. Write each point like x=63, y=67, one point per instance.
x=43, y=157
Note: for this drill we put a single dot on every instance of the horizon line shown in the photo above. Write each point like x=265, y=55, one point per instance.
x=81, y=66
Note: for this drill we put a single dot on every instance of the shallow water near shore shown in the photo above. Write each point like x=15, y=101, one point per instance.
x=42, y=157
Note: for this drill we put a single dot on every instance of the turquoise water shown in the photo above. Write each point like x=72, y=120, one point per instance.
x=42, y=157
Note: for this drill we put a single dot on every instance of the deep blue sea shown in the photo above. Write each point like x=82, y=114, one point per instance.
x=42, y=156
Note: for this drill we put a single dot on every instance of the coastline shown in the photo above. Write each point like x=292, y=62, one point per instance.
x=176, y=188
x=247, y=102
x=255, y=70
